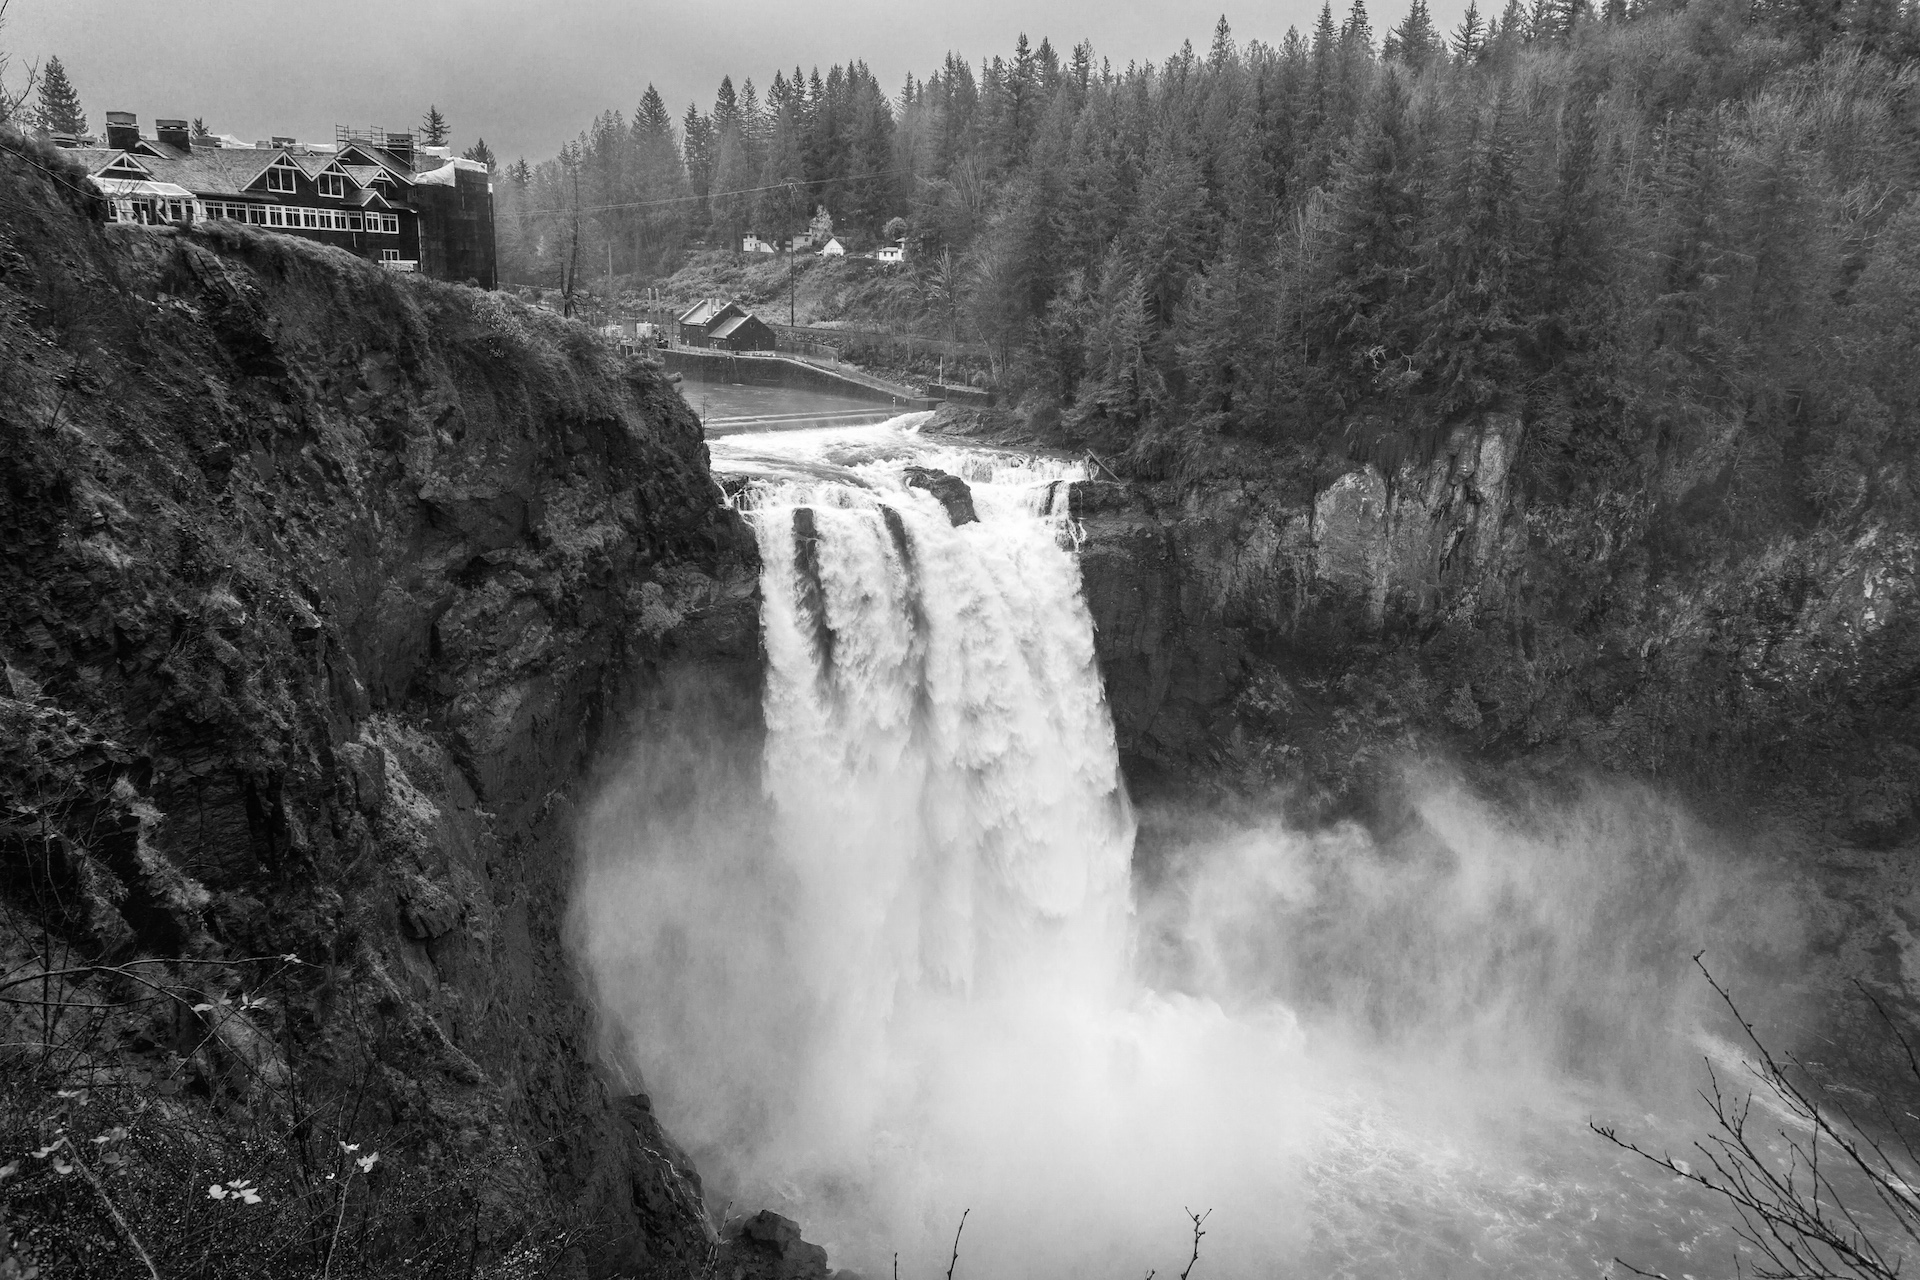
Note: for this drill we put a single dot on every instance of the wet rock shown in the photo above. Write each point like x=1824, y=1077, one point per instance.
x=767, y=1246
x=951, y=490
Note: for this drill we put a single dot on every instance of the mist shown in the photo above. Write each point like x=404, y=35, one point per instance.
x=899, y=958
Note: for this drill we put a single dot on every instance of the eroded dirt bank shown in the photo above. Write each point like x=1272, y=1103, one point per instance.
x=325, y=589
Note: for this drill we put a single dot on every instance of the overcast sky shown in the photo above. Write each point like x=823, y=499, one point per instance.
x=526, y=75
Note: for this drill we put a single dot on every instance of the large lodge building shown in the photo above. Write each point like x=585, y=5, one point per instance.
x=374, y=193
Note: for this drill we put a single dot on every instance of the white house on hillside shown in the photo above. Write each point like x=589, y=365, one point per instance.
x=833, y=248
x=754, y=244
x=892, y=252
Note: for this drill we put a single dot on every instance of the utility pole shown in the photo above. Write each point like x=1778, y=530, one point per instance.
x=790, y=281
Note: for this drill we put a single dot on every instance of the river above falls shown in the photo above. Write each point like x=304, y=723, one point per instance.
x=732, y=408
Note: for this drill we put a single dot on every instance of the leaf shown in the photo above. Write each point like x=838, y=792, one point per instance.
x=216, y=1192
x=366, y=1163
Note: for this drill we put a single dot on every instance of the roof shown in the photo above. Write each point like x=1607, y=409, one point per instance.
x=385, y=159
x=705, y=311
x=444, y=176
x=727, y=327
x=98, y=158
x=216, y=172
x=160, y=150
x=362, y=174
x=314, y=166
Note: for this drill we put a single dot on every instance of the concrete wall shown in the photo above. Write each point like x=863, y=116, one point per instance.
x=767, y=371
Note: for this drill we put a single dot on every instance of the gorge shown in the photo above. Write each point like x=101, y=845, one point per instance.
x=1323, y=847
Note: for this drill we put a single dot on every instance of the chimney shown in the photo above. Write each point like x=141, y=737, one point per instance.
x=173, y=133
x=123, y=130
x=401, y=145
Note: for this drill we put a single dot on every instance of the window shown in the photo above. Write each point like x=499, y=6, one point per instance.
x=353, y=222
x=276, y=216
x=390, y=223
x=326, y=220
x=257, y=215
x=332, y=184
x=309, y=218
x=389, y=255
x=283, y=177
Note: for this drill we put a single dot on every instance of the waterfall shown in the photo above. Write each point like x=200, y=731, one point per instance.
x=938, y=753
x=877, y=957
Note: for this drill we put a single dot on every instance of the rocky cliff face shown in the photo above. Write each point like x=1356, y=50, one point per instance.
x=324, y=588
x=1270, y=629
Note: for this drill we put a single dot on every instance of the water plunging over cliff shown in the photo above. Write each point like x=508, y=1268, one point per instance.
x=886, y=962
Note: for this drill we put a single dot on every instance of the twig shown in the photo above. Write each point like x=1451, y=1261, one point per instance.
x=1198, y=1218
x=113, y=1210
x=956, y=1244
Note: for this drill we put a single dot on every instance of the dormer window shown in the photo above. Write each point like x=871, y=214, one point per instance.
x=332, y=184
x=283, y=176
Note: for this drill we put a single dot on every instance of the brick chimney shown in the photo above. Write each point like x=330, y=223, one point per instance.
x=123, y=130
x=173, y=133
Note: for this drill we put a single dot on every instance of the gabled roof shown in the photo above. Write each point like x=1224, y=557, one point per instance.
x=217, y=172
x=314, y=166
x=726, y=327
x=362, y=174
x=707, y=310
x=98, y=159
x=392, y=164
x=158, y=150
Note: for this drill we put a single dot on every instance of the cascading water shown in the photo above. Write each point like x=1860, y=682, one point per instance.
x=892, y=969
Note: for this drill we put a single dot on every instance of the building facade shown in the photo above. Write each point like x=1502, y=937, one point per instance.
x=723, y=326
x=373, y=193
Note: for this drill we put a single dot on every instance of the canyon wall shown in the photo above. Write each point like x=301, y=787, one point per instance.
x=1265, y=628
x=327, y=591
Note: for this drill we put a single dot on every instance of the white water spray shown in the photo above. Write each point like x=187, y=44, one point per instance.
x=887, y=971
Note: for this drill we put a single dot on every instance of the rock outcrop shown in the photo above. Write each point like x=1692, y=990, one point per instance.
x=767, y=1246
x=951, y=490
x=325, y=589
x=1272, y=628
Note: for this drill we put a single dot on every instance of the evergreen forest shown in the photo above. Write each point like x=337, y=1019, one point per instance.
x=1640, y=228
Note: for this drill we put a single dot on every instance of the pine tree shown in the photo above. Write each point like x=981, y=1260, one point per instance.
x=1357, y=31
x=59, y=108
x=480, y=151
x=1469, y=38
x=698, y=130
x=1414, y=40
x=1223, y=53
x=434, y=129
x=200, y=131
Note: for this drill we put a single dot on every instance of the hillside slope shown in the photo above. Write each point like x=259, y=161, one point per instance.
x=326, y=590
